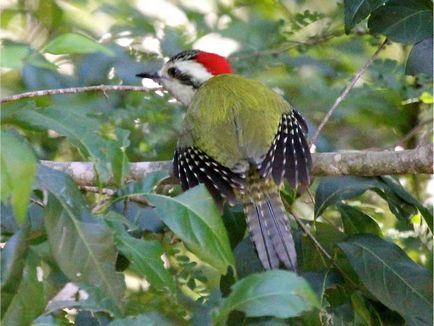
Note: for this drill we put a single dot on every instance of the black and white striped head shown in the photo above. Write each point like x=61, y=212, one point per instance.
x=185, y=72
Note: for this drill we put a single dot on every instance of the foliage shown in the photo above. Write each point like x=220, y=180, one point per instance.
x=179, y=260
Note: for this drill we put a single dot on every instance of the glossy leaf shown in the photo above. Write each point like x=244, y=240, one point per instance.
x=357, y=10
x=145, y=258
x=194, y=218
x=81, y=244
x=18, y=167
x=393, y=278
x=403, y=21
x=71, y=43
x=420, y=59
x=355, y=221
x=277, y=293
x=82, y=132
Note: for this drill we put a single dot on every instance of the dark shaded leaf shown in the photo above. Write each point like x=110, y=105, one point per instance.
x=357, y=10
x=420, y=59
x=18, y=167
x=403, y=21
x=275, y=293
x=13, y=258
x=28, y=302
x=393, y=278
x=71, y=43
x=246, y=258
x=81, y=244
x=194, y=218
x=355, y=221
x=148, y=319
x=334, y=189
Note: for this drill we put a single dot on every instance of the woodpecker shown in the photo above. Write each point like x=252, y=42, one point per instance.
x=241, y=140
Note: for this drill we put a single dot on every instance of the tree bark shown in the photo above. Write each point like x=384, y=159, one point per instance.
x=356, y=163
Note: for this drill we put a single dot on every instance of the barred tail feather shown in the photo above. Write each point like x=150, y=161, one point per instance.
x=270, y=233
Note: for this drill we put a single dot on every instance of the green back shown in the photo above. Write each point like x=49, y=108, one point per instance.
x=233, y=119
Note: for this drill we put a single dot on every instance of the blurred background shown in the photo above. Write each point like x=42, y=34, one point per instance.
x=296, y=47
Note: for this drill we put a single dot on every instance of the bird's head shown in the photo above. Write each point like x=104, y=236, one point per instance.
x=185, y=72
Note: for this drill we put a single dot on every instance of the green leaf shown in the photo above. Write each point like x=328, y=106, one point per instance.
x=357, y=10
x=393, y=278
x=71, y=43
x=275, y=293
x=420, y=59
x=194, y=218
x=12, y=56
x=355, y=221
x=13, y=257
x=408, y=198
x=334, y=189
x=145, y=258
x=28, y=301
x=81, y=244
x=96, y=301
x=82, y=132
x=402, y=204
x=403, y=21
x=18, y=167
x=148, y=319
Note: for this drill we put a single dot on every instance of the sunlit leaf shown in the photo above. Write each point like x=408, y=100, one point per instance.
x=393, y=278
x=82, y=132
x=71, y=43
x=275, y=293
x=194, y=218
x=18, y=167
x=12, y=56
x=146, y=260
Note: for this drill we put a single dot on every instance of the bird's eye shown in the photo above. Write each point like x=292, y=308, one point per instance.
x=173, y=72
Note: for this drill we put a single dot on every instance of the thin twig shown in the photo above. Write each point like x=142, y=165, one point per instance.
x=413, y=132
x=293, y=44
x=322, y=249
x=346, y=91
x=112, y=193
x=76, y=90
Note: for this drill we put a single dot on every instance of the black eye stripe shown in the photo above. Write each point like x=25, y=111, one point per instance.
x=173, y=72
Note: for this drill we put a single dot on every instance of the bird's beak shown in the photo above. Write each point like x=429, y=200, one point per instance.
x=151, y=75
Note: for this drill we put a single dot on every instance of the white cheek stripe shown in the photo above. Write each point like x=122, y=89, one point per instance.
x=194, y=69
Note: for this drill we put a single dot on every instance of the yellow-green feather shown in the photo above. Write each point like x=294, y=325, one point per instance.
x=233, y=119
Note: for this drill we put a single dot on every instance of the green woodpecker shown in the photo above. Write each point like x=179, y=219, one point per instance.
x=241, y=140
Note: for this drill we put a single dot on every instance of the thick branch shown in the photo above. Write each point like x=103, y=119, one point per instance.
x=357, y=163
x=76, y=90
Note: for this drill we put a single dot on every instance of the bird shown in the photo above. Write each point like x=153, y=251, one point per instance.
x=241, y=140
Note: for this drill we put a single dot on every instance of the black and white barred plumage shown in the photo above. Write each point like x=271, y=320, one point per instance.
x=288, y=158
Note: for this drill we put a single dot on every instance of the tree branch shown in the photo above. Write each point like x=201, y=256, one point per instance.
x=346, y=91
x=356, y=163
x=76, y=90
